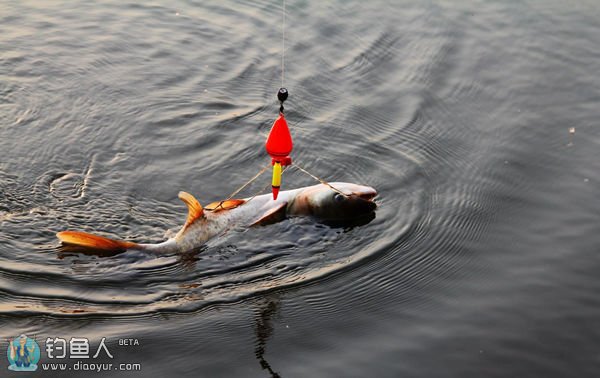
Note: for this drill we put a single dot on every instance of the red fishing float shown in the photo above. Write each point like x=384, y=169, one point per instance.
x=279, y=144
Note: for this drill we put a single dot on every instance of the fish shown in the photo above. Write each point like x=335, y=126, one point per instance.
x=337, y=201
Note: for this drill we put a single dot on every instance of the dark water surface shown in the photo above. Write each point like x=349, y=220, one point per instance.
x=483, y=258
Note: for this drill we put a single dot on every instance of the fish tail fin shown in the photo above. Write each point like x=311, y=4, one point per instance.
x=95, y=242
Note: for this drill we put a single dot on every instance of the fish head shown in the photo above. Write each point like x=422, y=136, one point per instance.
x=346, y=201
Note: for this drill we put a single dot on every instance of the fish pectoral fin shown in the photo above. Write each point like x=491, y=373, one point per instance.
x=274, y=215
x=95, y=242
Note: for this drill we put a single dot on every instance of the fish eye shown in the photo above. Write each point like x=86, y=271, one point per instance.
x=338, y=197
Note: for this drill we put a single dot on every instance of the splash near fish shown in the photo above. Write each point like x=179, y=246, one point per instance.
x=347, y=201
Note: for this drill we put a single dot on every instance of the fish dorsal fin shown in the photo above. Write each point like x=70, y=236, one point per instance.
x=195, y=210
x=224, y=205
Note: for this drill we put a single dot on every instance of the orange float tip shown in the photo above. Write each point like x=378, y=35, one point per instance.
x=275, y=192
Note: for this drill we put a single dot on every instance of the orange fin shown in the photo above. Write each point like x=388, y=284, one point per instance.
x=195, y=210
x=272, y=216
x=225, y=205
x=85, y=240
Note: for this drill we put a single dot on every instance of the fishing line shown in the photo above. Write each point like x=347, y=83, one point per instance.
x=282, y=99
x=320, y=180
x=247, y=183
x=283, y=45
x=279, y=143
x=266, y=186
x=263, y=170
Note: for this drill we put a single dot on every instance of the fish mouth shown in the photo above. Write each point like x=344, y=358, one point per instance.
x=364, y=201
x=367, y=195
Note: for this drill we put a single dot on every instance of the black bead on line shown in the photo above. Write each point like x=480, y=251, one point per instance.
x=282, y=95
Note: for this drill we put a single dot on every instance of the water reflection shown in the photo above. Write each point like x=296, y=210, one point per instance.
x=68, y=250
x=189, y=259
x=264, y=330
x=350, y=223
